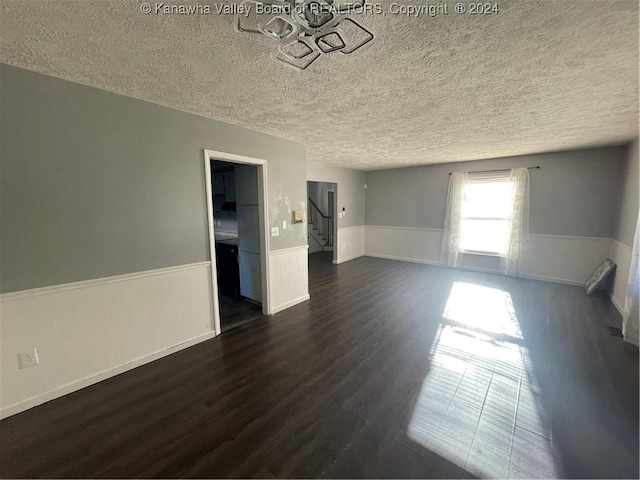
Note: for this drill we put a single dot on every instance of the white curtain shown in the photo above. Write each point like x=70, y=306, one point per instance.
x=450, y=254
x=510, y=264
x=630, y=321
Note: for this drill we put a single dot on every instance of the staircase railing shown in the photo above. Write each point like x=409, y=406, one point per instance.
x=321, y=222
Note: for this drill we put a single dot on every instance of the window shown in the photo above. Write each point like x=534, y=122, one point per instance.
x=486, y=215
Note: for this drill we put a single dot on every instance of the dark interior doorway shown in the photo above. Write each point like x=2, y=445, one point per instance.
x=322, y=220
x=236, y=207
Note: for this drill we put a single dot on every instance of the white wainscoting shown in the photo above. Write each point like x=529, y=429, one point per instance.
x=420, y=245
x=85, y=332
x=289, y=275
x=350, y=243
x=621, y=255
x=564, y=259
x=554, y=258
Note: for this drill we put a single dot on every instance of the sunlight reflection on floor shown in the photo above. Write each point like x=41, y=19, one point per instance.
x=479, y=406
x=489, y=309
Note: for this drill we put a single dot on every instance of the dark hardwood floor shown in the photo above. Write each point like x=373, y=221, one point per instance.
x=390, y=370
x=234, y=313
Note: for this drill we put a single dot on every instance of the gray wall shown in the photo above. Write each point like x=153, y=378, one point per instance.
x=96, y=184
x=350, y=192
x=574, y=193
x=629, y=193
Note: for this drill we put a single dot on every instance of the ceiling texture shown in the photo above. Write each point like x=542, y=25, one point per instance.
x=538, y=76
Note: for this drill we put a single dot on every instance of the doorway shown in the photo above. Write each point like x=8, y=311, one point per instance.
x=322, y=219
x=236, y=209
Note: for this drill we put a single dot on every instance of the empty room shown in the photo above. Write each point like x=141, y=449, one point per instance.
x=319, y=239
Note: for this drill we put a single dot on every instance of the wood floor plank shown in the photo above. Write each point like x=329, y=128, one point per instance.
x=391, y=370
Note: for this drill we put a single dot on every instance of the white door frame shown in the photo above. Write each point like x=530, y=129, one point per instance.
x=334, y=215
x=334, y=219
x=263, y=216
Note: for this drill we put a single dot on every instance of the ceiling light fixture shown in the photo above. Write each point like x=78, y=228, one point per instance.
x=305, y=29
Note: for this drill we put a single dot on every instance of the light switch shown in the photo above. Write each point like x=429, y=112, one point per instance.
x=275, y=231
x=284, y=224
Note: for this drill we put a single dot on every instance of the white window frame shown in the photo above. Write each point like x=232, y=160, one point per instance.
x=476, y=179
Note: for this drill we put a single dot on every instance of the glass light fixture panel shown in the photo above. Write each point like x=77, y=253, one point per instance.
x=251, y=23
x=317, y=14
x=297, y=49
x=353, y=34
x=314, y=16
x=299, y=63
x=330, y=42
x=279, y=27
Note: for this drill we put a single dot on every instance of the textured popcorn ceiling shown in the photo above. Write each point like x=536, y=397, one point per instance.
x=539, y=76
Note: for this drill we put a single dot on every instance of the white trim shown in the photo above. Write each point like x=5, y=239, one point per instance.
x=284, y=251
x=353, y=227
x=408, y=244
x=544, y=235
x=621, y=273
x=482, y=254
x=9, y=296
x=473, y=269
x=335, y=219
x=616, y=304
x=112, y=372
x=434, y=264
x=232, y=157
x=572, y=237
x=352, y=257
x=403, y=259
x=215, y=307
x=552, y=280
x=623, y=245
x=290, y=303
x=263, y=188
x=390, y=227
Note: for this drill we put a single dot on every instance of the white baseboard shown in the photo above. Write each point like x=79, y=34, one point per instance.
x=474, y=269
x=553, y=280
x=418, y=245
x=347, y=259
x=87, y=331
x=99, y=377
x=403, y=259
x=552, y=258
x=616, y=304
x=290, y=303
x=621, y=255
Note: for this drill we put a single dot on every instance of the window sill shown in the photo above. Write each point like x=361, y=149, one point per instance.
x=483, y=254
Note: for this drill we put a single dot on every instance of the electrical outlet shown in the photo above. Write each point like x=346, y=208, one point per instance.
x=275, y=231
x=28, y=359
x=284, y=224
